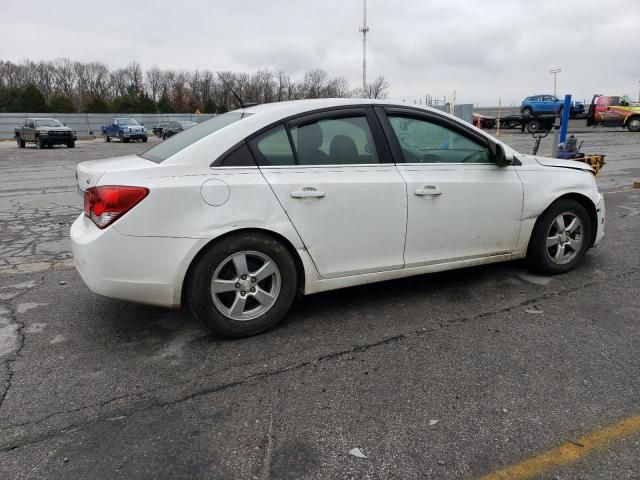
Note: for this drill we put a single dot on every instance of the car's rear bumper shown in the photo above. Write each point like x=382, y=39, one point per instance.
x=140, y=269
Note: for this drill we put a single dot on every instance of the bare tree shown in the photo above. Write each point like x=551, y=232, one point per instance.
x=183, y=90
x=378, y=88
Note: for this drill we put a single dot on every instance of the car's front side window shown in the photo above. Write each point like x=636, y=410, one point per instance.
x=424, y=141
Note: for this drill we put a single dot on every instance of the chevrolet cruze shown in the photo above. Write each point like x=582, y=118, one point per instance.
x=239, y=214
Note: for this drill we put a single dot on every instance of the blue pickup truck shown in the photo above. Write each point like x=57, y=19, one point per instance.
x=539, y=104
x=125, y=129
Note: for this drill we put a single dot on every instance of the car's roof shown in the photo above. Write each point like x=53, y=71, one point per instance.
x=43, y=118
x=294, y=107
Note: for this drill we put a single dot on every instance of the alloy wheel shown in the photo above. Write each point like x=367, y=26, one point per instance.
x=564, y=238
x=245, y=285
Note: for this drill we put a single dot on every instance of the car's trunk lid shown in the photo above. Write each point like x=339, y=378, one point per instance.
x=88, y=173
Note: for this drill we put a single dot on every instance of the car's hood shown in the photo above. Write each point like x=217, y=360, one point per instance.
x=556, y=162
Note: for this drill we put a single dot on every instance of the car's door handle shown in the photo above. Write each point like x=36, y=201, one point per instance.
x=307, y=192
x=431, y=190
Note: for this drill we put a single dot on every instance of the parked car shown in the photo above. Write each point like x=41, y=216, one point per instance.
x=158, y=128
x=239, y=214
x=176, y=127
x=484, y=121
x=538, y=104
x=44, y=132
x=125, y=129
x=614, y=111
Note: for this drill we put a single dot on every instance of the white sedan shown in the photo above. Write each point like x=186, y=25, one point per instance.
x=239, y=214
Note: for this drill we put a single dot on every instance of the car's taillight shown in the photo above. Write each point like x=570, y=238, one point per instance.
x=105, y=204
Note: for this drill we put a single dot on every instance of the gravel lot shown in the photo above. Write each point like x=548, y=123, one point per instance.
x=450, y=375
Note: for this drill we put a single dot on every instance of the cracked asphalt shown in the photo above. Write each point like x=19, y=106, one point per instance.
x=450, y=375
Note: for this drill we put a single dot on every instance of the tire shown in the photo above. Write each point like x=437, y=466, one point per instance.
x=144, y=139
x=534, y=126
x=633, y=125
x=555, y=251
x=21, y=143
x=71, y=144
x=106, y=137
x=39, y=143
x=216, y=310
x=121, y=138
x=526, y=111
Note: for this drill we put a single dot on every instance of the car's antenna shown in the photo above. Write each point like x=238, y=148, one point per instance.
x=238, y=99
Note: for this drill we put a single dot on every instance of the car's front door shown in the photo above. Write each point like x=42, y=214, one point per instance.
x=461, y=205
x=336, y=182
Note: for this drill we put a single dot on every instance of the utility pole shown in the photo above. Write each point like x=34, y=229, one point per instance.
x=364, y=29
x=555, y=72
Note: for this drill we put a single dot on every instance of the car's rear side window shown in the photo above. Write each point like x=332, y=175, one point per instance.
x=273, y=148
x=335, y=141
x=174, y=144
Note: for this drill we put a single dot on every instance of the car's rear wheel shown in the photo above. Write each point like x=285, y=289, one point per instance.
x=243, y=285
x=106, y=137
x=144, y=139
x=534, y=126
x=560, y=238
x=526, y=111
x=39, y=143
x=71, y=144
x=20, y=142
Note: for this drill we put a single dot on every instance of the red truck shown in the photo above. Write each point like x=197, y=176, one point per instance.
x=614, y=111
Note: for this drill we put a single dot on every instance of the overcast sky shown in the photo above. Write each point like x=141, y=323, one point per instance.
x=485, y=49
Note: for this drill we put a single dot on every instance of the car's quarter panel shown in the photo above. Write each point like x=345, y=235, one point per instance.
x=477, y=212
x=544, y=184
x=140, y=269
x=357, y=226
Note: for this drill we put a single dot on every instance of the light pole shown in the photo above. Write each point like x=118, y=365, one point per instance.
x=638, y=92
x=555, y=72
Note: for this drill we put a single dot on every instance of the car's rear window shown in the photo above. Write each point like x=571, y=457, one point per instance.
x=174, y=144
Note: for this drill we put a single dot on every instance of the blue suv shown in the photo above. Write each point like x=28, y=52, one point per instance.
x=538, y=104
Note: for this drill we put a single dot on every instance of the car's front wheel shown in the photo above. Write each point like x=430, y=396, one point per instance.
x=243, y=285
x=634, y=124
x=560, y=238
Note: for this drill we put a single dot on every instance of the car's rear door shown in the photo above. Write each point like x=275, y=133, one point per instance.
x=461, y=205
x=333, y=175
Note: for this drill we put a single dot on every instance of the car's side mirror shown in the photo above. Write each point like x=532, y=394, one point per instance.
x=500, y=157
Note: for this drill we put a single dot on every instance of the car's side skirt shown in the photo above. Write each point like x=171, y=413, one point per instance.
x=353, y=280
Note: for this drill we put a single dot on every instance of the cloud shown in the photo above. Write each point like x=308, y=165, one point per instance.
x=486, y=50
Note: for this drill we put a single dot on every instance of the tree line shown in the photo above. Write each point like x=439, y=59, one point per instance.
x=66, y=86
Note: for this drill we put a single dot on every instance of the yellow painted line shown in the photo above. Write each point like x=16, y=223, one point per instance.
x=569, y=452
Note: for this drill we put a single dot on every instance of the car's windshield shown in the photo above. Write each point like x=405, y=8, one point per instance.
x=174, y=144
x=126, y=121
x=49, y=122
